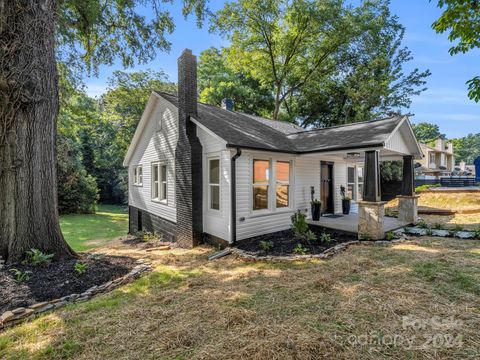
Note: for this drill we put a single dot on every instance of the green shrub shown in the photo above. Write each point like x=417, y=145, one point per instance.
x=77, y=189
x=21, y=276
x=310, y=236
x=299, y=224
x=36, y=257
x=389, y=236
x=422, y=224
x=438, y=226
x=266, y=245
x=80, y=268
x=426, y=187
x=458, y=227
x=300, y=250
x=428, y=231
x=365, y=237
x=476, y=232
x=326, y=238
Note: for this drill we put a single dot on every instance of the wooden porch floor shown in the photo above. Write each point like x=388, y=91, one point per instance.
x=349, y=223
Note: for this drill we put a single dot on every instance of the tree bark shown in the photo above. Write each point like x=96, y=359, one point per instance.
x=28, y=112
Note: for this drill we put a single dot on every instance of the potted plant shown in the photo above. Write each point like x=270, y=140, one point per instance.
x=345, y=201
x=315, y=203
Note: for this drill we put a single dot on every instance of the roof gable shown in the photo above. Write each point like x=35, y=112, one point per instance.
x=237, y=129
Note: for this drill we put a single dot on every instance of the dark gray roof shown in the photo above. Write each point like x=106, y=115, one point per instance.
x=253, y=132
x=237, y=129
x=363, y=134
x=282, y=126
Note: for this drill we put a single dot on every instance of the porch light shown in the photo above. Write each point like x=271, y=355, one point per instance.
x=353, y=155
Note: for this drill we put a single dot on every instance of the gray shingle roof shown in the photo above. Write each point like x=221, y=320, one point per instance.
x=253, y=132
x=363, y=134
x=282, y=126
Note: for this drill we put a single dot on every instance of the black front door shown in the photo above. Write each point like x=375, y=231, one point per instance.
x=326, y=187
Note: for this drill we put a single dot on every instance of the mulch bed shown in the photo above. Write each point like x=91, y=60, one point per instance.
x=284, y=242
x=59, y=279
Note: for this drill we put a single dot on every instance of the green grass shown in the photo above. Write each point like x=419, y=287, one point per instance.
x=88, y=231
x=191, y=308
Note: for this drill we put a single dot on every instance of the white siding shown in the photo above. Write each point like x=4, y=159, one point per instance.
x=216, y=222
x=339, y=178
x=156, y=144
x=397, y=143
x=306, y=173
x=402, y=141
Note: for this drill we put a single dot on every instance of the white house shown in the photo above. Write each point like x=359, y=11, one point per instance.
x=199, y=171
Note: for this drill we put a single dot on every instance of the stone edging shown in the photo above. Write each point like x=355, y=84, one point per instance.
x=419, y=231
x=251, y=256
x=13, y=317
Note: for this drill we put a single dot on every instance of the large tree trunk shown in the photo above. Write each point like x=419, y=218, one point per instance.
x=28, y=112
x=276, y=110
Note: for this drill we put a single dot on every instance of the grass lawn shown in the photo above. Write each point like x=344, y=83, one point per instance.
x=85, y=232
x=414, y=300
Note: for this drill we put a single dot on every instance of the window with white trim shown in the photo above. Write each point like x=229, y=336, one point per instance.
x=261, y=182
x=355, y=182
x=138, y=175
x=159, y=182
x=282, y=184
x=214, y=183
x=359, y=183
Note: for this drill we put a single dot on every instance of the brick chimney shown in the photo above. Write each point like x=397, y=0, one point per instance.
x=188, y=156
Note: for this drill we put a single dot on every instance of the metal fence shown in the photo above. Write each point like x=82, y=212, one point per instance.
x=448, y=181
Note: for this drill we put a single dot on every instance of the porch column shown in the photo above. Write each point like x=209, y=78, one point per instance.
x=407, y=180
x=371, y=210
x=408, y=201
x=371, y=188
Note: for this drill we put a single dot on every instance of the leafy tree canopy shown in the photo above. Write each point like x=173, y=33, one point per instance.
x=426, y=132
x=218, y=80
x=462, y=19
x=95, y=32
x=324, y=62
x=467, y=148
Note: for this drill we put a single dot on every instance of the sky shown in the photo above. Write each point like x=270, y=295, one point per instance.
x=445, y=103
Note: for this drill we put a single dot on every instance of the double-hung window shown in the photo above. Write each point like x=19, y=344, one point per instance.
x=261, y=182
x=271, y=184
x=359, y=183
x=355, y=182
x=283, y=184
x=214, y=183
x=137, y=175
x=159, y=182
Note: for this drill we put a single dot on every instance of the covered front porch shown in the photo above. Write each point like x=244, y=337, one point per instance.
x=357, y=168
x=349, y=223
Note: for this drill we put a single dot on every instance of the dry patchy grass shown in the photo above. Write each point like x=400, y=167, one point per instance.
x=190, y=308
x=467, y=221
x=450, y=200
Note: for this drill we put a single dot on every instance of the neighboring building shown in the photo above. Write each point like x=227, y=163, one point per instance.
x=438, y=160
x=464, y=169
x=198, y=171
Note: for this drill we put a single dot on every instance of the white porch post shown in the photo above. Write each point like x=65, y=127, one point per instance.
x=371, y=210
